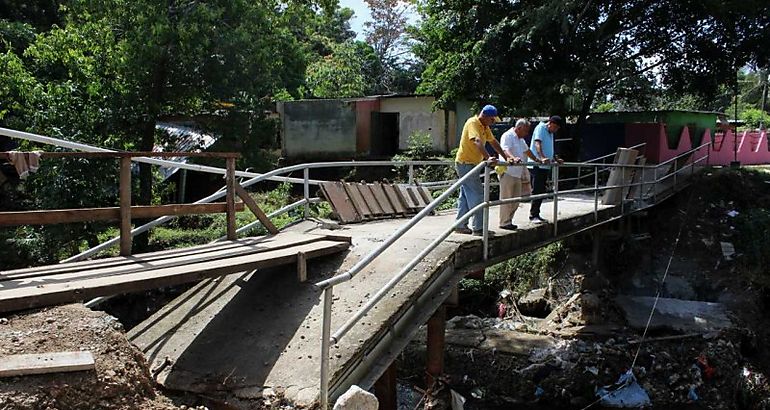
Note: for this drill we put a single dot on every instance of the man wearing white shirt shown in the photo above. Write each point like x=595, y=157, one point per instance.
x=516, y=147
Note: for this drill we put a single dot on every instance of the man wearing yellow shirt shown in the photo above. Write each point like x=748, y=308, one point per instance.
x=472, y=151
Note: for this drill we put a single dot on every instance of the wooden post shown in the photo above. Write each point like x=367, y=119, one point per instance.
x=436, y=329
x=230, y=183
x=301, y=267
x=125, y=206
x=618, y=176
x=385, y=389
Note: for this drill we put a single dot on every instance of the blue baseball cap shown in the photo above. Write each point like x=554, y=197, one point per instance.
x=489, y=111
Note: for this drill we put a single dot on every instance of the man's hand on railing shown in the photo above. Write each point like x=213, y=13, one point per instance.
x=491, y=162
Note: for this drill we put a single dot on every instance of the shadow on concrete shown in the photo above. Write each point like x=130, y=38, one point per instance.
x=234, y=329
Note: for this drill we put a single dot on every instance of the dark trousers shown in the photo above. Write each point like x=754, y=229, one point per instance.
x=539, y=176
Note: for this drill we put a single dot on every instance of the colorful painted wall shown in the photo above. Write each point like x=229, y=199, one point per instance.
x=752, y=147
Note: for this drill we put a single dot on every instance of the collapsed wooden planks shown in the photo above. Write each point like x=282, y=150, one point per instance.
x=76, y=281
x=357, y=202
x=42, y=363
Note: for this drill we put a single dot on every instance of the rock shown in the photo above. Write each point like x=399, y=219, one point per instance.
x=356, y=398
x=534, y=303
x=465, y=322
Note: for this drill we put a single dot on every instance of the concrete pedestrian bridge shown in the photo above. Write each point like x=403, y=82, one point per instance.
x=339, y=310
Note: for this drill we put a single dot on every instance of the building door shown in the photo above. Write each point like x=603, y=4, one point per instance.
x=384, y=140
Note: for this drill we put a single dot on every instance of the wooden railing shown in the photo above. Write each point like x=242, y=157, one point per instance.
x=125, y=212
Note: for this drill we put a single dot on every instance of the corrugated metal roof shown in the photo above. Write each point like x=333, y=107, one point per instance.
x=182, y=138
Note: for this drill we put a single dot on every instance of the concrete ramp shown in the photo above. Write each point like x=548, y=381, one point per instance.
x=249, y=332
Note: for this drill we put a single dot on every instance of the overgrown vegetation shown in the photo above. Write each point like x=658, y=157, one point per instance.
x=754, y=245
x=519, y=275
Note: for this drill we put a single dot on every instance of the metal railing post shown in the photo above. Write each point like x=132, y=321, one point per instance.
x=676, y=171
x=411, y=174
x=555, y=178
x=325, y=346
x=578, y=176
x=641, y=188
x=306, y=189
x=486, y=214
x=622, y=189
x=596, y=193
x=655, y=186
x=708, y=154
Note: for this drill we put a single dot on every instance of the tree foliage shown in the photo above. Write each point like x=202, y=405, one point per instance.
x=106, y=72
x=558, y=56
x=338, y=75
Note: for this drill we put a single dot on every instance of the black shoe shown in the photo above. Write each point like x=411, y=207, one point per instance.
x=481, y=233
x=463, y=230
x=509, y=227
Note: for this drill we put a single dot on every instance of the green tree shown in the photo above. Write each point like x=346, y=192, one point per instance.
x=114, y=68
x=337, y=75
x=558, y=56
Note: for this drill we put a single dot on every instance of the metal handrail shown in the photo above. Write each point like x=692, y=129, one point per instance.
x=258, y=178
x=328, y=285
x=335, y=280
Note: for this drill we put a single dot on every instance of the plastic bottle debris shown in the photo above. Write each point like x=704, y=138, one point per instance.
x=626, y=392
x=539, y=392
x=458, y=401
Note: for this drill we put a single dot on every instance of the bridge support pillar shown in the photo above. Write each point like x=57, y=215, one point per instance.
x=385, y=388
x=436, y=333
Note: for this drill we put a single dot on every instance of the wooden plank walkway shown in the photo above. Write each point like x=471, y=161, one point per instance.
x=77, y=281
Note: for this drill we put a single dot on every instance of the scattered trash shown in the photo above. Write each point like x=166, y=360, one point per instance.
x=703, y=364
x=728, y=250
x=732, y=214
x=626, y=392
x=539, y=392
x=458, y=401
x=691, y=394
x=477, y=393
x=593, y=370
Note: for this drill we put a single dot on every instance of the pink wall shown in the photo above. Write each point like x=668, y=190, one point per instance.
x=752, y=146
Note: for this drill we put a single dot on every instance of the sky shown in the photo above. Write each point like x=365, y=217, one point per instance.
x=362, y=15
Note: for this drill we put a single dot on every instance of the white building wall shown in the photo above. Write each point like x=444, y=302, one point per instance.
x=416, y=114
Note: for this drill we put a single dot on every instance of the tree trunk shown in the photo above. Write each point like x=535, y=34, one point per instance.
x=147, y=142
x=585, y=109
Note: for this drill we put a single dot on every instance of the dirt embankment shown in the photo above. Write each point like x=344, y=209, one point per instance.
x=121, y=379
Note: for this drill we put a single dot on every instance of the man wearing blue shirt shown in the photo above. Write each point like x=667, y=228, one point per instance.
x=543, y=147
